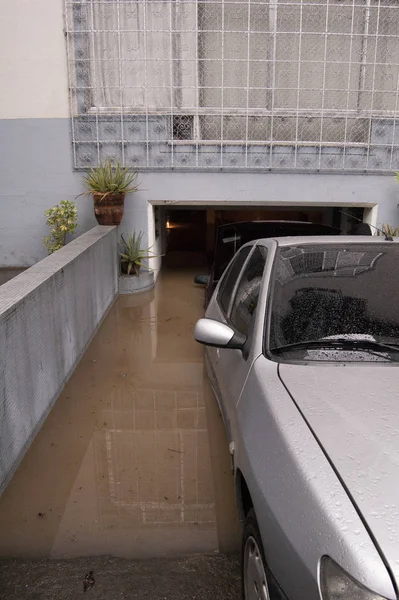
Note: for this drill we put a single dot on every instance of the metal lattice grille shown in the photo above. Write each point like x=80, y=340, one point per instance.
x=255, y=84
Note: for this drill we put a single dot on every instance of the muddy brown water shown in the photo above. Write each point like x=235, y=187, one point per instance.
x=9, y=273
x=132, y=460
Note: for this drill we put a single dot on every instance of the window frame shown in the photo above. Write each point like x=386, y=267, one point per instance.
x=225, y=275
x=264, y=252
x=267, y=351
x=143, y=137
x=80, y=24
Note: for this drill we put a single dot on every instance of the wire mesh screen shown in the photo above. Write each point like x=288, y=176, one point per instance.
x=253, y=84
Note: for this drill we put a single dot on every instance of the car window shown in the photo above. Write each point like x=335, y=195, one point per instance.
x=329, y=292
x=247, y=295
x=230, y=278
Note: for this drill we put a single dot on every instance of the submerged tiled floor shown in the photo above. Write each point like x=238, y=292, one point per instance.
x=132, y=460
x=7, y=274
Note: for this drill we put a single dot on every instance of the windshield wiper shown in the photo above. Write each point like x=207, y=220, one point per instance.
x=340, y=344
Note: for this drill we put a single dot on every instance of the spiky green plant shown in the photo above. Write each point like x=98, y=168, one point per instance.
x=110, y=178
x=389, y=230
x=132, y=254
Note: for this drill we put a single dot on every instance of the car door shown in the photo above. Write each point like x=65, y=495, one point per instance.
x=235, y=305
x=218, y=309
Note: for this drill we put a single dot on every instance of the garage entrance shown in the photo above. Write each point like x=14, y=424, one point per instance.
x=187, y=234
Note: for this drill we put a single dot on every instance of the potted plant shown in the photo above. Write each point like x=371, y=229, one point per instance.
x=135, y=276
x=109, y=183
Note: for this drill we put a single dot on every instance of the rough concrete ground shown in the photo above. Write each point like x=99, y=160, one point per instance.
x=211, y=577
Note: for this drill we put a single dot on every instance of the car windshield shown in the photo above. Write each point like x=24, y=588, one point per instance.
x=342, y=297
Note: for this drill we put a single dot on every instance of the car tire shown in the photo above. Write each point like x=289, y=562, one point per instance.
x=255, y=576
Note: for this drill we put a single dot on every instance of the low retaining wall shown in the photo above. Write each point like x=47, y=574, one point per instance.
x=48, y=315
x=133, y=284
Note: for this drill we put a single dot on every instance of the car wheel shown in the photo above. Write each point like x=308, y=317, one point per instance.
x=253, y=565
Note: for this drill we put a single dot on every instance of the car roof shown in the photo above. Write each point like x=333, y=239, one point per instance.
x=349, y=240
x=277, y=227
x=269, y=221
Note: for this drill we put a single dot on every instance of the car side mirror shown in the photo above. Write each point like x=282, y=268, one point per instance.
x=202, y=279
x=213, y=333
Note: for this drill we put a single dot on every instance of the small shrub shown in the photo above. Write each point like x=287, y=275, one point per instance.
x=63, y=220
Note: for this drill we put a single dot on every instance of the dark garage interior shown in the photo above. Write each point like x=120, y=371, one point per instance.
x=190, y=231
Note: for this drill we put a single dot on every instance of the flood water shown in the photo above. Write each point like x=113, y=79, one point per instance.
x=132, y=460
x=7, y=274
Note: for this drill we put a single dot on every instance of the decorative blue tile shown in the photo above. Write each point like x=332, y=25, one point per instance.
x=109, y=129
x=331, y=159
x=135, y=129
x=282, y=157
x=136, y=155
x=379, y=158
x=159, y=129
x=258, y=157
x=110, y=151
x=85, y=155
x=209, y=156
x=84, y=129
x=307, y=158
x=381, y=132
x=147, y=144
x=395, y=159
x=355, y=159
x=185, y=156
x=233, y=156
x=160, y=156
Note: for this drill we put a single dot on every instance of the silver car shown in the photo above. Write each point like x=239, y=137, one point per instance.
x=302, y=351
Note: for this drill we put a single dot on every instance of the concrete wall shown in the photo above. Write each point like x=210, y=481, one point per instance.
x=48, y=315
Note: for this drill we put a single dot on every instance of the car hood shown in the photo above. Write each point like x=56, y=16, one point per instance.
x=354, y=413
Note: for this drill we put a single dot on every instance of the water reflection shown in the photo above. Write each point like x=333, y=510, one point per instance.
x=331, y=262
x=124, y=464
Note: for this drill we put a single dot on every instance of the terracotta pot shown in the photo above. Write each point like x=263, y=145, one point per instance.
x=109, y=210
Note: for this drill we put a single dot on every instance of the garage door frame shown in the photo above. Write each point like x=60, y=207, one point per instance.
x=370, y=213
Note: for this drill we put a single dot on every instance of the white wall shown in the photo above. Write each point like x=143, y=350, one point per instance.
x=35, y=174
x=269, y=188
x=35, y=150
x=48, y=315
x=33, y=69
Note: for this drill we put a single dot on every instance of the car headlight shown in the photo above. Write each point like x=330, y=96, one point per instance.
x=336, y=584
